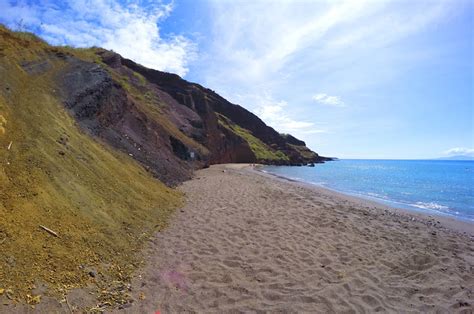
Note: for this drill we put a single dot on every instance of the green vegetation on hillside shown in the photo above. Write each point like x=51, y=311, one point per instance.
x=261, y=150
x=100, y=202
x=304, y=151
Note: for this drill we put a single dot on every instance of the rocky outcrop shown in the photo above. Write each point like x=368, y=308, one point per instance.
x=103, y=108
x=205, y=101
x=168, y=124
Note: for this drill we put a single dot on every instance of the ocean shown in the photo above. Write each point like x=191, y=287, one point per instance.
x=432, y=186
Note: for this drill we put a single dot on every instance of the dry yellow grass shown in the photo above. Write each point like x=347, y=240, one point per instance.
x=100, y=202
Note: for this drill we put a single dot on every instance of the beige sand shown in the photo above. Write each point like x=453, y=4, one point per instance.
x=247, y=242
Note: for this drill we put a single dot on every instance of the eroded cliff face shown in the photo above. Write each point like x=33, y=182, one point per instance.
x=112, y=102
x=169, y=125
x=105, y=109
x=218, y=114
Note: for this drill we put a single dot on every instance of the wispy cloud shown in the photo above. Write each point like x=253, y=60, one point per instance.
x=130, y=29
x=460, y=151
x=263, y=36
x=286, y=48
x=274, y=113
x=328, y=100
x=258, y=40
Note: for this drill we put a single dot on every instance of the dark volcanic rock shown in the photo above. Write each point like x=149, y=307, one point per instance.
x=206, y=102
x=168, y=124
x=102, y=107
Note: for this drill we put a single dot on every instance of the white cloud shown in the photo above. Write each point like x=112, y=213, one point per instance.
x=460, y=151
x=129, y=29
x=262, y=40
x=286, y=48
x=328, y=100
x=274, y=114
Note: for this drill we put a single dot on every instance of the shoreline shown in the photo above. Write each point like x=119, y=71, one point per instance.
x=448, y=221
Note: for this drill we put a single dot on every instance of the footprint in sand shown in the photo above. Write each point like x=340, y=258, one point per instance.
x=419, y=262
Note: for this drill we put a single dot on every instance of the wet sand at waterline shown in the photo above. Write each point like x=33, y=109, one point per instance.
x=246, y=241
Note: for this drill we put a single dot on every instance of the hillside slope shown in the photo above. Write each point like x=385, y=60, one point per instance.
x=223, y=121
x=100, y=202
x=84, y=133
x=169, y=125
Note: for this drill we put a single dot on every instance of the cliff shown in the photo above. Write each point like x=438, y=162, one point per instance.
x=169, y=125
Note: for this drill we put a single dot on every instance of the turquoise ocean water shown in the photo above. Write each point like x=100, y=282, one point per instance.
x=434, y=186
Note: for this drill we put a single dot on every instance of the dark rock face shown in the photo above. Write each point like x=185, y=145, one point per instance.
x=169, y=125
x=224, y=146
x=103, y=108
x=87, y=89
x=205, y=101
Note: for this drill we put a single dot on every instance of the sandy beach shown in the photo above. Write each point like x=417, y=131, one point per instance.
x=249, y=242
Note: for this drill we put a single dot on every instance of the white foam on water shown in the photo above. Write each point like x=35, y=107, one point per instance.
x=376, y=195
x=430, y=205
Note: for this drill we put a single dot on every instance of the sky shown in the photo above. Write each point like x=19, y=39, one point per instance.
x=353, y=79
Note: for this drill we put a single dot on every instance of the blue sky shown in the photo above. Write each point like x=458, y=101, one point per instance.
x=354, y=79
